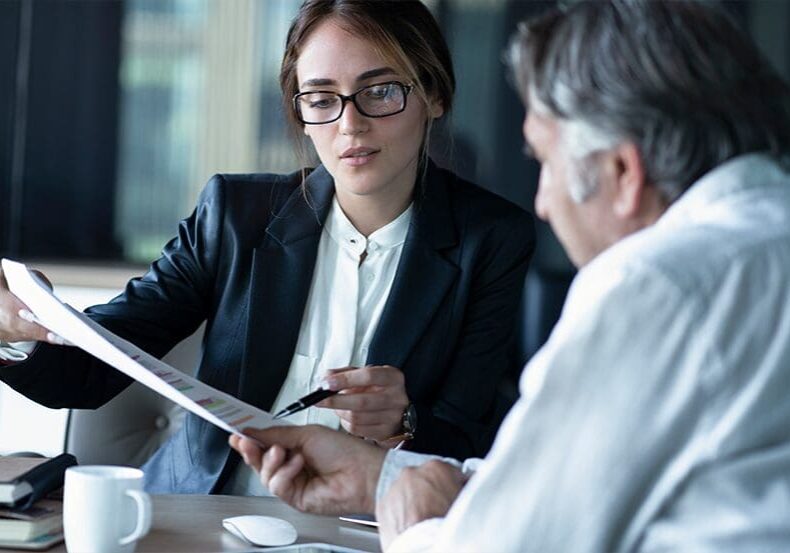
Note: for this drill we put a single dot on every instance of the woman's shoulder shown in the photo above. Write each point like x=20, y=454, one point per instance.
x=247, y=202
x=253, y=187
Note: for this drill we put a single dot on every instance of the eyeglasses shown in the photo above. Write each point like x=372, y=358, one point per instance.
x=377, y=100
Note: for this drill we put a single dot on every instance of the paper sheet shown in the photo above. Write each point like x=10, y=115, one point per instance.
x=219, y=408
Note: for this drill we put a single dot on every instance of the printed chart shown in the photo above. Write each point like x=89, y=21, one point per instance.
x=217, y=407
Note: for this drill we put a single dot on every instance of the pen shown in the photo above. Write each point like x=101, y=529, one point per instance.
x=305, y=402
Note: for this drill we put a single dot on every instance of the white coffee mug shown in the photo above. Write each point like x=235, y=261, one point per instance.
x=104, y=509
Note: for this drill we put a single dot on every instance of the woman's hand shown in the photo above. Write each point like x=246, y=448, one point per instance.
x=17, y=323
x=371, y=401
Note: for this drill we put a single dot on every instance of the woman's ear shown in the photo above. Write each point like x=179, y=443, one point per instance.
x=435, y=108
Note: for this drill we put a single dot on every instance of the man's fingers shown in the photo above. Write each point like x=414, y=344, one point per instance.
x=251, y=452
x=282, y=481
x=372, y=375
x=271, y=462
x=290, y=437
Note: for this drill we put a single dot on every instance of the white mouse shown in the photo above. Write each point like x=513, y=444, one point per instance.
x=261, y=530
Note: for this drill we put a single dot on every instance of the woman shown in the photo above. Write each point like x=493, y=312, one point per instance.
x=376, y=272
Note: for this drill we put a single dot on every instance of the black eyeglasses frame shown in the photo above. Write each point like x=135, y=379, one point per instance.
x=407, y=88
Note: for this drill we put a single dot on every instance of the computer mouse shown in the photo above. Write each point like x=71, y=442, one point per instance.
x=261, y=530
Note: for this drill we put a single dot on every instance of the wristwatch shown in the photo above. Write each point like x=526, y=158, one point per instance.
x=409, y=422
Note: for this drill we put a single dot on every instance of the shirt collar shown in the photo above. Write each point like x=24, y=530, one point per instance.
x=734, y=176
x=347, y=236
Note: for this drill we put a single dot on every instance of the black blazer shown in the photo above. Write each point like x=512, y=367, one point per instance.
x=243, y=262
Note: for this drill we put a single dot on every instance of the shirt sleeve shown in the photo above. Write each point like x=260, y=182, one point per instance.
x=399, y=459
x=15, y=352
x=418, y=538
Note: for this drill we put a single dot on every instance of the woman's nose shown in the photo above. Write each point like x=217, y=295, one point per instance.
x=351, y=121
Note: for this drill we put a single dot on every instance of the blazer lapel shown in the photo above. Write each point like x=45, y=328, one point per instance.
x=282, y=271
x=423, y=277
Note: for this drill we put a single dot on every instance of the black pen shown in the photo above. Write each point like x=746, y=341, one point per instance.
x=307, y=401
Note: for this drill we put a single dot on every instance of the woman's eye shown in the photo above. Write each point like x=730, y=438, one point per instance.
x=378, y=92
x=323, y=103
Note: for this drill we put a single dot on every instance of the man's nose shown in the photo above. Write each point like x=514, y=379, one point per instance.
x=351, y=121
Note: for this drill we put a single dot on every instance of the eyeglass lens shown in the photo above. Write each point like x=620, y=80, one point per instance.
x=378, y=100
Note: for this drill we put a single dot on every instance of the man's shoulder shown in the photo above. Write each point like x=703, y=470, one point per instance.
x=719, y=255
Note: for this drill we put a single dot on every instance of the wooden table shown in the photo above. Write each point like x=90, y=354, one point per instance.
x=193, y=524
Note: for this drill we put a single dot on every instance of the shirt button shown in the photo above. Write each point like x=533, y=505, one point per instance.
x=373, y=246
x=371, y=277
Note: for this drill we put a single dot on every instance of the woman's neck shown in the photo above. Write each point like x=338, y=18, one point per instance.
x=368, y=213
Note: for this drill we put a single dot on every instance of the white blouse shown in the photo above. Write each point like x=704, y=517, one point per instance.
x=343, y=309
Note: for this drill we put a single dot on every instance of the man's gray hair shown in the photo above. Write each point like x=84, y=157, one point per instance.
x=678, y=79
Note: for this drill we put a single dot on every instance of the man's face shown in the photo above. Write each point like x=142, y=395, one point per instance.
x=584, y=229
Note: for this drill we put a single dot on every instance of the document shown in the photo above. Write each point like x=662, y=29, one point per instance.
x=219, y=408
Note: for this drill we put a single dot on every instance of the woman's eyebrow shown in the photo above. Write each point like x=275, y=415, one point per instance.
x=318, y=82
x=378, y=72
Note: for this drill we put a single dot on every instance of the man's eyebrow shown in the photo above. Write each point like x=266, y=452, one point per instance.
x=378, y=72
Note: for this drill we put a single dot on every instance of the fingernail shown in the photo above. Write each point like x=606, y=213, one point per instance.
x=331, y=383
x=55, y=339
x=26, y=315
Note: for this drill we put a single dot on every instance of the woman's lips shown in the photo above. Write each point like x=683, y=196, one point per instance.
x=355, y=157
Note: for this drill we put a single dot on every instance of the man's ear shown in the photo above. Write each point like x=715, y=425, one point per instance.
x=630, y=181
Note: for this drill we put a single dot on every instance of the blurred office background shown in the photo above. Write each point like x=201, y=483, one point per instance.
x=114, y=113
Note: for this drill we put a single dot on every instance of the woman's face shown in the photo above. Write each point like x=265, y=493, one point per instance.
x=368, y=157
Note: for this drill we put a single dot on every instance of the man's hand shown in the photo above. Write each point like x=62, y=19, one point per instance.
x=371, y=402
x=313, y=468
x=420, y=493
x=16, y=320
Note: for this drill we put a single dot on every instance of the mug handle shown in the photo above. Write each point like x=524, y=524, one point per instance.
x=143, y=501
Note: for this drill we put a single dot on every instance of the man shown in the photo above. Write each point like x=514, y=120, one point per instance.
x=656, y=417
